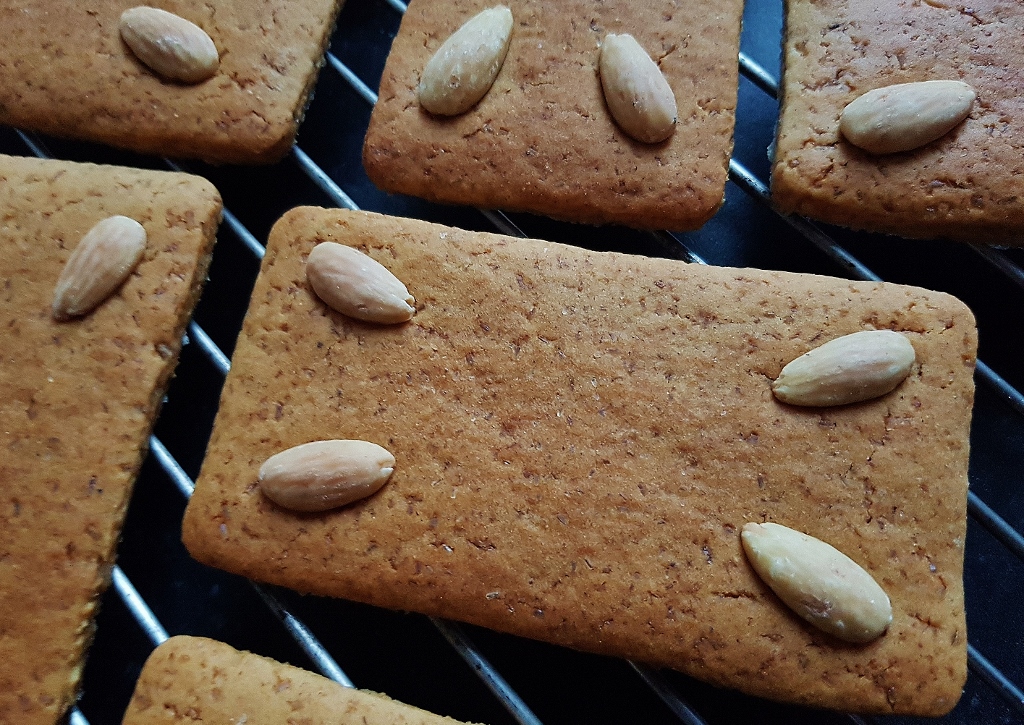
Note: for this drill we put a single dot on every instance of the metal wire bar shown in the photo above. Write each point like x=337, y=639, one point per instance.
x=486, y=672
x=34, y=145
x=1000, y=261
x=138, y=607
x=996, y=525
x=676, y=247
x=503, y=224
x=758, y=75
x=305, y=638
x=352, y=79
x=656, y=681
x=209, y=348
x=995, y=679
x=244, y=234
x=369, y=95
x=1010, y=394
x=321, y=179
x=858, y=719
x=171, y=467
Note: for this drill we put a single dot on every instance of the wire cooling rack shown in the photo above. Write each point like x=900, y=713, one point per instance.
x=462, y=671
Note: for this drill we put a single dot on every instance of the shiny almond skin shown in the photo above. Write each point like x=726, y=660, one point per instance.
x=818, y=582
x=169, y=45
x=848, y=369
x=324, y=475
x=357, y=285
x=98, y=266
x=463, y=69
x=638, y=96
x=906, y=116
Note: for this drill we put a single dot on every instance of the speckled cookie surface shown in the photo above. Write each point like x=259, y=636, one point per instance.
x=66, y=71
x=77, y=402
x=968, y=185
x=542, y=139
x=579, y=438
x=191, y=678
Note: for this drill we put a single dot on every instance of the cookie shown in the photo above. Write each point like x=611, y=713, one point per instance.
x=78, y=399
x=967, y=184
x=192, y=675
x=70, y=74
x=542, y=139
x=579, y=439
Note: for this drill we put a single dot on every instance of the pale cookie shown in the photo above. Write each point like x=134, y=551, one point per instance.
x=189, y=677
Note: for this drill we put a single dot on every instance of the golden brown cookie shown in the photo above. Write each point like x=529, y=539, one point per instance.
x=78, y=399
x=67, y=72
x=579, y=439
x=968, y=184
x=542, y=139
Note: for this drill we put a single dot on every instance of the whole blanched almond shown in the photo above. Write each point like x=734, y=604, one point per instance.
x=463, y=69
x=357, y=285
x=170, y=45
x=818, y=582
x=906, y=116
x=99, y=264
x=638, y=96
x=323, y=475
x=848, y=369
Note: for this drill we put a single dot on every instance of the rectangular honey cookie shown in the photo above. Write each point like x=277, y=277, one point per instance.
x=77, y=402
x=542, y=139
x=66, y=71
x=222, y=685
x=579, y=438
x=968, y=184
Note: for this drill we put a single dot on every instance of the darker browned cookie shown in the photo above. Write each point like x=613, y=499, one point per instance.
x=542, y=139
x=580, y=437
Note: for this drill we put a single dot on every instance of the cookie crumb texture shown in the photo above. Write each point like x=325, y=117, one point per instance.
x=77, y=401
x=66, y=71
x=967, y=185
x=190, y=679
x=542, y=139
x=579, y=439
